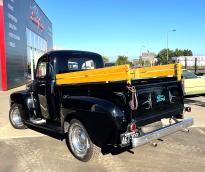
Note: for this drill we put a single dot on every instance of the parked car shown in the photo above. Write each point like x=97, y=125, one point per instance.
x=99, y=108
x=109, y=64
x=193, y=84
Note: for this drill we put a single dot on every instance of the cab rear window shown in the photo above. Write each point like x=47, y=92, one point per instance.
x=71, y=62
x=80, y=64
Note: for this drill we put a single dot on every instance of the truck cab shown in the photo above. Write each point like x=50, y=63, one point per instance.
x=75, y=98
x=55, y=63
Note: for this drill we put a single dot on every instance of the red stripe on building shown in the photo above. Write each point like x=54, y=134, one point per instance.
x=2, y=49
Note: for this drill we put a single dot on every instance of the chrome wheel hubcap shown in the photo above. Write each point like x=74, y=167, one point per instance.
x=79, y=140
x=16, y=117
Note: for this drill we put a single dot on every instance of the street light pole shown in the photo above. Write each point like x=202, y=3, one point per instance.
x=173, y=30
x=141, y=50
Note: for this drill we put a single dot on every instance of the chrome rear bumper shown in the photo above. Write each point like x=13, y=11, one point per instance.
x=154, y=135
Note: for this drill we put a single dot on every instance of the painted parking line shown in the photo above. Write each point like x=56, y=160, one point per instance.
x=16, y=137
x=197, y=126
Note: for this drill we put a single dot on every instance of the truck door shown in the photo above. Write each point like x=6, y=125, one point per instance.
x=41, y=85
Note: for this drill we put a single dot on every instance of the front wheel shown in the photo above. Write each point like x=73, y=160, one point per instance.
x=79, y=142
x=16, y=114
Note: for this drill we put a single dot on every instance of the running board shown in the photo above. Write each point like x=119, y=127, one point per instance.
x=162, y=132
x=52, y=130
x=38, y=121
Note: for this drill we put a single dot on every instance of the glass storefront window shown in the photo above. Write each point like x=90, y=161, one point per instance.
x=36, y=47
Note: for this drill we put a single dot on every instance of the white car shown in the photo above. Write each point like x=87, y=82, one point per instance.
x=192, y=83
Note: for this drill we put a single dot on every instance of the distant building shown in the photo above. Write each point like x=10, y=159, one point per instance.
x=148, y=57
x=25, y=34
x=190, y=60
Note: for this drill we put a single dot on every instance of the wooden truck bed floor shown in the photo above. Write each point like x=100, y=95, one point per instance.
x=118, y=73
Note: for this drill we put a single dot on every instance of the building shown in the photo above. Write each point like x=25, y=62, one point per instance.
x=25, y=34
x=146, y=58
x=190, y=60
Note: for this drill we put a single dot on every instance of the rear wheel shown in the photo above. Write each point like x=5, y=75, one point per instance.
x=79, y=142
x=16, y=114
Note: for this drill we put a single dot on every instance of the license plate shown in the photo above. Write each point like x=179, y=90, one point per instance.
x=125, y=140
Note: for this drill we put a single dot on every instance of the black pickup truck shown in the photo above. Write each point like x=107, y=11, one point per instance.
x=96, y=114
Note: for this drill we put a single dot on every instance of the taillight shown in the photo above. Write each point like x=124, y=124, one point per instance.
x=133, y=127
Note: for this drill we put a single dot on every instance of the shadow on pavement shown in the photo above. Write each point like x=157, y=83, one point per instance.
x=106, y=150
x=188, y=100
x=194, y=96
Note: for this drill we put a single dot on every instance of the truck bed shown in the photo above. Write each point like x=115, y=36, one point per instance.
x=119, y=73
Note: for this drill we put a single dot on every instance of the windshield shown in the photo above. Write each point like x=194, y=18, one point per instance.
x=188, y=75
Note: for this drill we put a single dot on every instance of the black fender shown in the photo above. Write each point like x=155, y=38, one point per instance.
x=23, y=98
x=102, y=119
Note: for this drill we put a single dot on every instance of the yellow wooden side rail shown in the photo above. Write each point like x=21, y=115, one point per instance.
x=118, y=73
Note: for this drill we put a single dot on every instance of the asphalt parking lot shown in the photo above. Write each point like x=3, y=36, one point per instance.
x=26, y=150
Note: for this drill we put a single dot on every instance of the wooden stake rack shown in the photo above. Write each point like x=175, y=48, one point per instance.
x=119, y=73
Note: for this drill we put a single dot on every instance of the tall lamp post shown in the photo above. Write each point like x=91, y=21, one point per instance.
x=173, y=30
x=143, y=46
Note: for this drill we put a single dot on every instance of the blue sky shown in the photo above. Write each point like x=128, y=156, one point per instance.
x=122, y=27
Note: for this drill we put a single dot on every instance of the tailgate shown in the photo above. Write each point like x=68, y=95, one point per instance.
x=157, y=101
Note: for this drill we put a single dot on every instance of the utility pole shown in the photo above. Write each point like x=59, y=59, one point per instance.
x=173, y=30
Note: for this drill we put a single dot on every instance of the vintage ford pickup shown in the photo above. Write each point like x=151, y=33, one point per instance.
x=74, y=97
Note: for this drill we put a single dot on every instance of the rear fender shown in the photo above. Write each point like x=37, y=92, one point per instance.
x=102, y=119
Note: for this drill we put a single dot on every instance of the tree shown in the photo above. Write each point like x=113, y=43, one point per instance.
x=105, y=59
x=178, y=52
x=181, y=52
x=188, y=52
x=122, y=60
x=162, y=56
